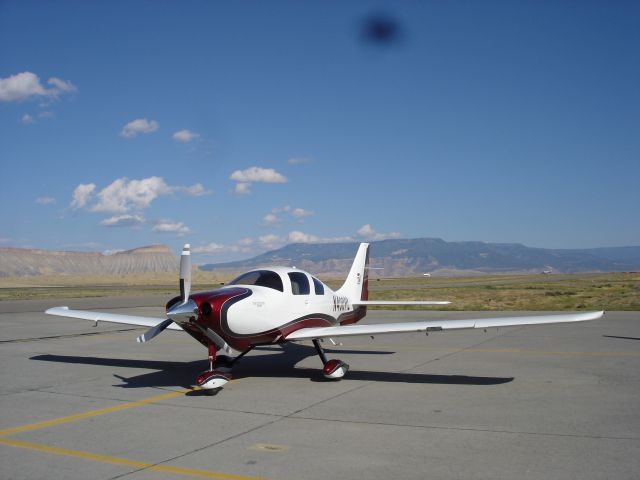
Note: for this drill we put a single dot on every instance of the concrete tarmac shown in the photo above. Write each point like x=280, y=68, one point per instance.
x=553, y=402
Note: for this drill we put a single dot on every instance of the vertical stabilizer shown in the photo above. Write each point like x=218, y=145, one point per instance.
x=356, y=285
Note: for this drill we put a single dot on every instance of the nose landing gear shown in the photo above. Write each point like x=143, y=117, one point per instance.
x=333, y=369
x=211, y=381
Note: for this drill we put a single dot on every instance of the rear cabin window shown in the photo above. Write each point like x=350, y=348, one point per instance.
x=261, y=278
x=299, y=283
x=317, y=286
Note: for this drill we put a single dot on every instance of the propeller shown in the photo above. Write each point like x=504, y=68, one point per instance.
x=185, y=273
x=153, y=331
x=186, y=308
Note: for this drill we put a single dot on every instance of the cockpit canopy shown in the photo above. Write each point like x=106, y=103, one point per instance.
x=299, y=281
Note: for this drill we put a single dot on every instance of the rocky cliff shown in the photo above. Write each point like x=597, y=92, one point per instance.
x=22, y=261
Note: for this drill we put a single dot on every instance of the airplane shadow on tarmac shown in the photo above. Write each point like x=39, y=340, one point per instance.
x=269, y=365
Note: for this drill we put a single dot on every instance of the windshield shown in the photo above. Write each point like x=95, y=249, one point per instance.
x=261, y=278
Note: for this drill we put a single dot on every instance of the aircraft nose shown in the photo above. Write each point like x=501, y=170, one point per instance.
x=183, y=312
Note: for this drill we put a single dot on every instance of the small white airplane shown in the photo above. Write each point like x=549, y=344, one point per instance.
x=281, y=304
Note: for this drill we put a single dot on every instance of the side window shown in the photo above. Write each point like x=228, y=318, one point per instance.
x=299, y=283
x=271, y=280
x=317, y=286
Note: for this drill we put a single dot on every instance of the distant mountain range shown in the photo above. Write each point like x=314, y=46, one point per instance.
x=25, y=262
x=395, y=257
x=436, y=256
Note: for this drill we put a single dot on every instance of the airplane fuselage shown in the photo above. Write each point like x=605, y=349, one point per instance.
x=245, y=314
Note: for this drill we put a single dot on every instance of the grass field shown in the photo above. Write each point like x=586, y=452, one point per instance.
x=607, y=291
x=612, y=291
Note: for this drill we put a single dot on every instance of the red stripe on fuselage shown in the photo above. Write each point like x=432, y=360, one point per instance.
x=213, y=306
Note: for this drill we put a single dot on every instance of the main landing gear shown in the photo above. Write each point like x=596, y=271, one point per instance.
x=333, y=369
x=211, y=381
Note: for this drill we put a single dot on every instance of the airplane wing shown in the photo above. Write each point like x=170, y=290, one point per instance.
x=314, y=333
x=110, y=317
x=400, y=302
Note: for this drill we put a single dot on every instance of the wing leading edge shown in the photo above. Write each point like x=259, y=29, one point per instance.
x=110, y=317
x=438, y=325
x=399, y=302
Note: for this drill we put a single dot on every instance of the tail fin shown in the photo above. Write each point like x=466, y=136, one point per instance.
x=356, y=285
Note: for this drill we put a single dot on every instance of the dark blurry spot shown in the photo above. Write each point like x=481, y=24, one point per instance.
x=381, y=29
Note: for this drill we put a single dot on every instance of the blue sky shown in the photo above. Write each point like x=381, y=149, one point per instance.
x=243, y=126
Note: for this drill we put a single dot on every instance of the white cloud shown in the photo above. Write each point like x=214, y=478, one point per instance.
x=20, y=87
x=270, y=219
x=270, y=241
x=196, y=190
x=185, y=136
x=366, y=232
x=245, y=245
x=211, y=248
x=217, y=248
x=258, y=174
x=168, y=226
x=254, y=175
x=123, y=195
x=61, y=86
x=123, y=221
x=274, y=217
x=82, y=194
x=139, y=126
x=28, y=119
x=26, y=85
x=242, y=188
x=45, y=200
x=301, y=237
x=301, y=213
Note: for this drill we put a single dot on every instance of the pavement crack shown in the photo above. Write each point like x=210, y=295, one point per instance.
x=71, y=335
x=470, y=429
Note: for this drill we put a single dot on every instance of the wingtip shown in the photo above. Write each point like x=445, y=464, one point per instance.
x=596, y=315
x=53, y=310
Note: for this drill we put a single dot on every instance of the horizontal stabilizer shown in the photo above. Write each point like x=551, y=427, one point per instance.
x=314, y=333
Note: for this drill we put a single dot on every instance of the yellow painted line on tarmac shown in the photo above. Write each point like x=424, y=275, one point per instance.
x=65, y=452
x=92, y=413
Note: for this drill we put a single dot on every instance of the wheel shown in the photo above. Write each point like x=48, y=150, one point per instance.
x=213, y=379
x=335, y=369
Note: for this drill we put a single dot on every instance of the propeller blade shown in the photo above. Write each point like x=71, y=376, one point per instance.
x=153, y=331
x=185, y=272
